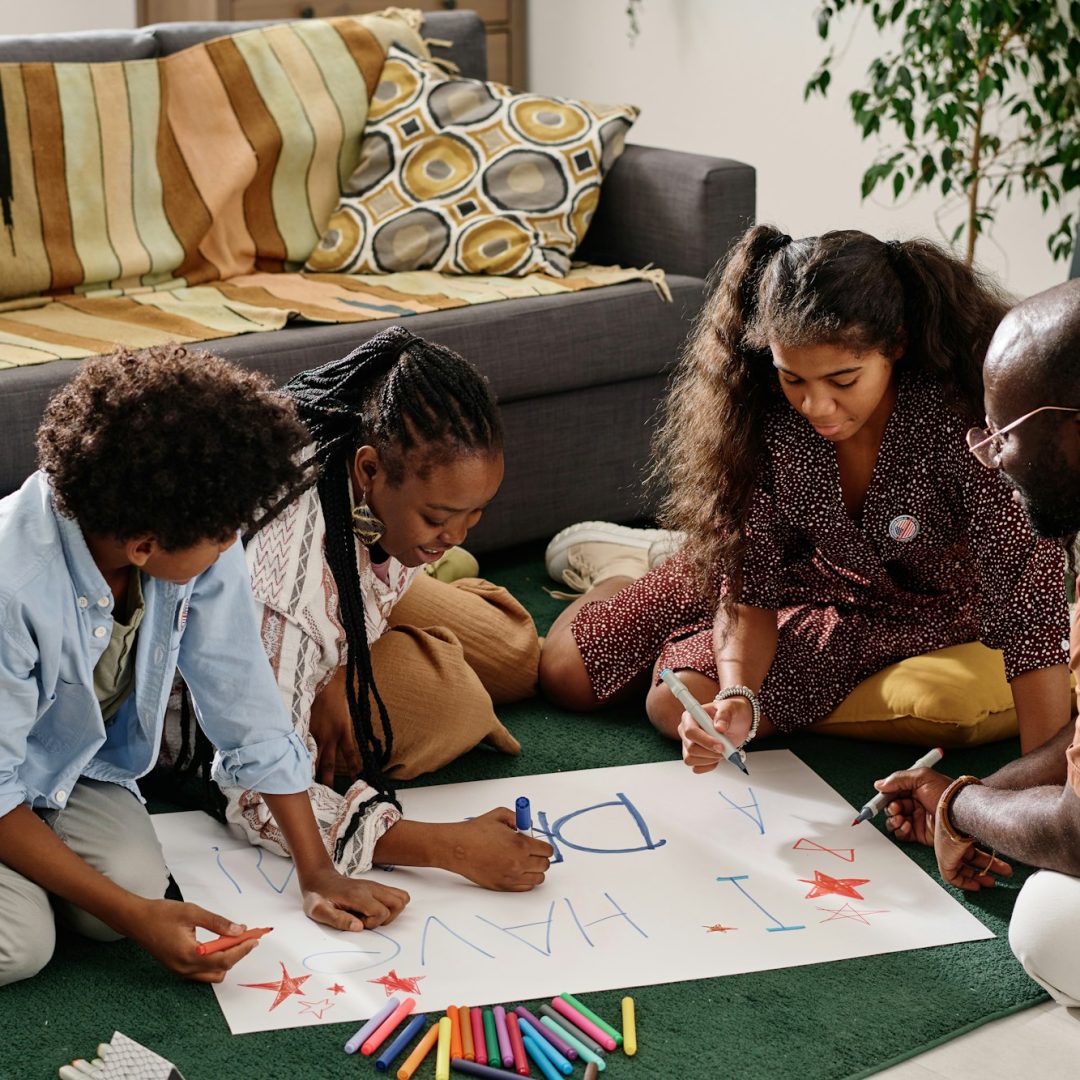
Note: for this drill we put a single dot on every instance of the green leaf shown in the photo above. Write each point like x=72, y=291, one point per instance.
x=897, y=184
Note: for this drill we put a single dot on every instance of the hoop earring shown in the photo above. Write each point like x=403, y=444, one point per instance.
x=367, y=527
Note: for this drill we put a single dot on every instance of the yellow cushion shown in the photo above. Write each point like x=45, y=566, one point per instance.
x=952, y=697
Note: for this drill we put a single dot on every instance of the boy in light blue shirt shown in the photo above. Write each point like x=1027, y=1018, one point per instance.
x=120, y=567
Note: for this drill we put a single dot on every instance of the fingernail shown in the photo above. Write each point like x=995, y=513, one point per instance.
x=236, y=928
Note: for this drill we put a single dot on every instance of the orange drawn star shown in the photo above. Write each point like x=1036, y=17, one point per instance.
x=393, y=981
x=849, y=912
x=337, y=988
x=316, y=1008
x=824, y=885
x=286, y=986
x=719, y=928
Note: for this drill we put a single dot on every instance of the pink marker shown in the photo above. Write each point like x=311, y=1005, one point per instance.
x=583, y=1022
x=476, y=1020
x=379, y=1035
x=506, y=1051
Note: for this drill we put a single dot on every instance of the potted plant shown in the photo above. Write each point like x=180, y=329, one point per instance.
x=983, y=98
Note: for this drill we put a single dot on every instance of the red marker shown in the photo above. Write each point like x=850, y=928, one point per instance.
x=229, y=940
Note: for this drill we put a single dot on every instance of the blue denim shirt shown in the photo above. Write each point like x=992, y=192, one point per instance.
x=55, y=621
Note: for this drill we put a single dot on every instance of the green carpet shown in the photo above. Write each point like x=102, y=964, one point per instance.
x=839, y=1020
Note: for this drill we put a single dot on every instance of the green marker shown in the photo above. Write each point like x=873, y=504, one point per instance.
x=602, y=1024
x=494, y=1055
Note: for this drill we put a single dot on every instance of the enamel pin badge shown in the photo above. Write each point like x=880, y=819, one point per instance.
x=903, y=528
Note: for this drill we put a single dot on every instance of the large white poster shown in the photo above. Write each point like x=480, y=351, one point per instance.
x=659, y=876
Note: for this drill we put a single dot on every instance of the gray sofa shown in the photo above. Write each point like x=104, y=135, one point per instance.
x=578, y=376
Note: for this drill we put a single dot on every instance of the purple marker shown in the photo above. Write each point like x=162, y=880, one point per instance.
x=502, y=1033
x=354, y=1043
x=547, y=1035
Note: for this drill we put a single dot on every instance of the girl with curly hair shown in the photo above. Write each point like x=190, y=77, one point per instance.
x=387, y=672
x=832, y=520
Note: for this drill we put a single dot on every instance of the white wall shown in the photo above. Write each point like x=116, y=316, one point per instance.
x=725, y=77
x=54, y=16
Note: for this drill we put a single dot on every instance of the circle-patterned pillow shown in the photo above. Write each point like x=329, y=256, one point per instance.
x=468, y=177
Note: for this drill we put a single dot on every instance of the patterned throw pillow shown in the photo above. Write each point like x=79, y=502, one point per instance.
x=468, y=177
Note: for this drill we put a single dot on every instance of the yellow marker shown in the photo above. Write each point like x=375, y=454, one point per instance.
x=416, y=1058
x=442, y=1054
x=629, y=1028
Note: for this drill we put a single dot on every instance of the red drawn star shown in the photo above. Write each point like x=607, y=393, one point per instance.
x=718, y=928
x=805, y=844
x=337, y=988
x=823, y=885
x=393, y=981
x=316, y=1008
x=288, y=985
x=849, y=912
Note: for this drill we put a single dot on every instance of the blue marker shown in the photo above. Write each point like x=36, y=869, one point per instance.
x=382, y=1062
x=523, y=815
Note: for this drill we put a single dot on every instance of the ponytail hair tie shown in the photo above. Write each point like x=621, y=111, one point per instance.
x=895, y=255
x=776, y=244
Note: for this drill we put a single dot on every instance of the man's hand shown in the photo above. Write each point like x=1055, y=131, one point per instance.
x=965, y=865
x=910, y=815
x=330, y=725
x=702, y=752
x=166, y=930
x=346, y=903
x=489, y=851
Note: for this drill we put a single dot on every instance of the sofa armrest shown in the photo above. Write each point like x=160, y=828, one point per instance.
x=678, y=211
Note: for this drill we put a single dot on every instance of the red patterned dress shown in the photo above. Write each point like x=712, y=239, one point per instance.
x=939, y=555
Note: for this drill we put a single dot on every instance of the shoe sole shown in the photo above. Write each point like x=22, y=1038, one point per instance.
x=584, y=532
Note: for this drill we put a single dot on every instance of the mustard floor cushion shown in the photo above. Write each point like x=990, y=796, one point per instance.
x=952, y=697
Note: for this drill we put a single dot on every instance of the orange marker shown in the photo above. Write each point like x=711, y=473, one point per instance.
x=455, y=1031
x=467, y=1050
x=229, y=940
x=416, y=1058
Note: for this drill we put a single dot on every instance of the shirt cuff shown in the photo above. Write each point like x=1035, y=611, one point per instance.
x=376, y=816
x=279, y=766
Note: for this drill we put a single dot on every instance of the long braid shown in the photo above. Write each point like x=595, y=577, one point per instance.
x=397, y=393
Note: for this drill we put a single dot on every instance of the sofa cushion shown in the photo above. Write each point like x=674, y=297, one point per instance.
x=218, y=159
x=85, y=46
x=467, y=177
x=956, y=696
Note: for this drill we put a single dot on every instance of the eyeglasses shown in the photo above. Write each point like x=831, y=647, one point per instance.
x=987, y=445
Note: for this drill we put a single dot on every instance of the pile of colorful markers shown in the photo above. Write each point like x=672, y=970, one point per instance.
x=498, y=1042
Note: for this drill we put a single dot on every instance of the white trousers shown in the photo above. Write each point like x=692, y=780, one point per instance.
x=1045, y=934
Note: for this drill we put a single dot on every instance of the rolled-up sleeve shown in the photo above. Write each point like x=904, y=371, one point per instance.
x=233, y=688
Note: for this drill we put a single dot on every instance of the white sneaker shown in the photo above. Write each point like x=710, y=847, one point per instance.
x=585, y=554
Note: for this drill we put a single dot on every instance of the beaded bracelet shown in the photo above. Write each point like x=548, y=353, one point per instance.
x=755, y=707
x=941, y=813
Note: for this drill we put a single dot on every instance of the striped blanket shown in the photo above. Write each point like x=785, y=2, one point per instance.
x=176, y=199
x=37, y=330
x=220, y=159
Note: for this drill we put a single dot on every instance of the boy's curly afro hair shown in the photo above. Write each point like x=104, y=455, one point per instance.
x=169, y=442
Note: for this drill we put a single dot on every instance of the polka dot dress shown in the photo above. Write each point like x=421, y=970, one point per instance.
x=938, y=556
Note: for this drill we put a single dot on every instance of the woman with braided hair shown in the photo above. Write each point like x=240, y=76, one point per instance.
x=813, y=451
x=386, y=671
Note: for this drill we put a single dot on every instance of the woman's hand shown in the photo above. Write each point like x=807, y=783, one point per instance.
x=910, y=814
x=346, y=903
x=166, y=930
x=700, y=750
x=330, y=725
x=489, y=851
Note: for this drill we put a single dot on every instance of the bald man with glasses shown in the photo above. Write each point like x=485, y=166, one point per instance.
x=1030, y=809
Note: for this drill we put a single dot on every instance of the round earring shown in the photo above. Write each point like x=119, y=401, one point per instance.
x=367, y=527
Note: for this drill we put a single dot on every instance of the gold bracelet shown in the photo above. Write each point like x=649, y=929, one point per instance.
x=941, y=814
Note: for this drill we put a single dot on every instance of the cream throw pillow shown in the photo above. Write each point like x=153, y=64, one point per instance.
x=468, y=177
